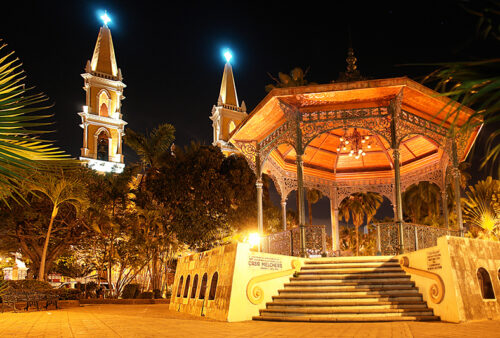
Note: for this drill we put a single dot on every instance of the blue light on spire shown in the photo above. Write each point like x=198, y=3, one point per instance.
x=105, y=18
x=228, y=55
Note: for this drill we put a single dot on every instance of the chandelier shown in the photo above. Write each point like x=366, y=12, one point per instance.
x=353, y=144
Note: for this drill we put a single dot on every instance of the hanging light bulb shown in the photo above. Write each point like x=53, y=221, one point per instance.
x=363, y=153
x=341, y=139
x=350, y=154
x=362, y=141
x=356, y=157
x=369, y=146
x=338, y=149
x=346, y=142
x=345, y=148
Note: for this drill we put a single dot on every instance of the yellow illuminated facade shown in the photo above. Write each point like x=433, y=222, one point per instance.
x=227, y=114
x=102, y=123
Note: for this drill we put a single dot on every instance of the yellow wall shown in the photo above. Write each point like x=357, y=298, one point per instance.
x=459, y=260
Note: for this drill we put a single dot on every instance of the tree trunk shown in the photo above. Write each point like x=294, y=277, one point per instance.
x=41, y=272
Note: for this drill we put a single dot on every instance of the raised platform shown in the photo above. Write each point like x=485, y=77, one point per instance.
x=233, y=283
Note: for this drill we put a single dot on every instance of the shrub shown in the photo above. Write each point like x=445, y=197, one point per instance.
x=146, y=295
x=69, y=294
x=29, y=284
x=157, y=294
x=130, y=291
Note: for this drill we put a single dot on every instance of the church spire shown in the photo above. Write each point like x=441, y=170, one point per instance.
x=228, y=93
x=104, y=60
x=227, y=114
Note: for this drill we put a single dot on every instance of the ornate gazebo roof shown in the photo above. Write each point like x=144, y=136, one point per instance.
x=323, y=113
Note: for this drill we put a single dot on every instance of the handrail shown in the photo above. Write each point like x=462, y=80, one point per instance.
x=437, y=290
x=255, y=294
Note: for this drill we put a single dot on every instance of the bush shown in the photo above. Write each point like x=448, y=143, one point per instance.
x=69, y=294
x=146, y=295
x=29, y=284
x=157, y=294
x=130, y=291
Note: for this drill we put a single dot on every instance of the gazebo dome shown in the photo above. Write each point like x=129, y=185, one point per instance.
x=401, y=120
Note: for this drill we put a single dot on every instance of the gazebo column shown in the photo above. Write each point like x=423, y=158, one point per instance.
x=445, y=207
x=334, y=213
x=455, y=171
x=283, y=213
x=260, y=215
x=301, y=203
x=398, y=217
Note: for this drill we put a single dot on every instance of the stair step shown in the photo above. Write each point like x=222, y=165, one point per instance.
x=326, y=289
x=366, y=277
x=357, y=310
x=357, y=294
x=346, y=318
x=360, y=259
x=352, y=282
x=352, y=271
x=347, y=309
x=349, y=301
x=351, y=265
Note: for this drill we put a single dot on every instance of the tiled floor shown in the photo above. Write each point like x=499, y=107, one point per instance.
x=157, y=321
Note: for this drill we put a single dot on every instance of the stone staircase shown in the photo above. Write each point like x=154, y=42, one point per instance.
x=359, y=289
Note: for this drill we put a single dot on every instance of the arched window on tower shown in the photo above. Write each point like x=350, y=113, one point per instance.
x=103, y=147
x=103, y=104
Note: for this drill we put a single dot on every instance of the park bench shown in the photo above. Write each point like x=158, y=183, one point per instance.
x=28, y=297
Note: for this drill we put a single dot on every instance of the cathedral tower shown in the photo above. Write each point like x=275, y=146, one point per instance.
x=227, y=114
x=103, y=127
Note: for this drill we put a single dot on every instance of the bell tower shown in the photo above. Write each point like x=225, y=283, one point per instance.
x=227, y=114
x=102, y=123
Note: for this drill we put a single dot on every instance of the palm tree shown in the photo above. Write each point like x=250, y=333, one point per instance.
x=313, y=196
x=481, y=209
x=21, y=151
x=422, y=200
x=153, y=146
x=358, y=206
x=296, y=78
x=476, y=84
x=59, y=188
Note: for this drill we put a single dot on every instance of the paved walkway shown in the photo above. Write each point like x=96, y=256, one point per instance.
x=157, y=321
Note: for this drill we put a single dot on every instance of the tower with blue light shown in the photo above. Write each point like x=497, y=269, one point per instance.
x=227, y=114
x=102, y=123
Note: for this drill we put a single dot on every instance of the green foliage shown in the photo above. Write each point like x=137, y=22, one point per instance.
x=131, y=291
x=481, y=210
x=296, y=78
x=69, y=294
x=358, y=206
x=476, y=84
x=30, y=284
x=21, y=149
x=146, y=295
x=421, y=201
x=153, y=146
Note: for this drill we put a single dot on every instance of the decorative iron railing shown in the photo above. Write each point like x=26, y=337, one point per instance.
x=288, y=242
x=415, y=237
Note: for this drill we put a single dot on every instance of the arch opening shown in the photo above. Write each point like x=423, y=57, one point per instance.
x=179, y=287
x=203, y=286
x=213, y=286
x=483, y=277
x=103, y=146
x=186, y=288
x=195, y=286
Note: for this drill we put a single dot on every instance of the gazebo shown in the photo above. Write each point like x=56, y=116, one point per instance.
x=341, y=138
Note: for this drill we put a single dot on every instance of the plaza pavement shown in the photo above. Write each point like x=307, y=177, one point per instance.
x=158, y=321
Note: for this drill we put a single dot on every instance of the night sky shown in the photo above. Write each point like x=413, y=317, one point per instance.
x=171, y=60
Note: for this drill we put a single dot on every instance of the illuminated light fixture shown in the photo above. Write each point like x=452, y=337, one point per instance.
x=254, y=239
x=228, y=55
x=352, y=145
x=105, y=18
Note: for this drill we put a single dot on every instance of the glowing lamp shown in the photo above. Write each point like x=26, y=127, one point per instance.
x=254, y=239
x=105, y=18
x=228, y=55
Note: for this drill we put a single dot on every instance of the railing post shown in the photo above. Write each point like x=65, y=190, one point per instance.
x=416, y=237
x=379, y=245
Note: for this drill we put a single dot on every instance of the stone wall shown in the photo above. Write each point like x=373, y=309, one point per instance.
x=456, y=261
x=220, y=260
